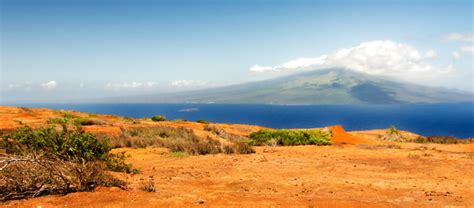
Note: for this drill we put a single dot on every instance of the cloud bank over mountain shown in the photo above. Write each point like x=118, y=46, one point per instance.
x=380, y=57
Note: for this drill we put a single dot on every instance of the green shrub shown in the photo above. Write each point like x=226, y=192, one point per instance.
x=74, y=120
x=83, y=122
x=287, y=137
x=65, y=144
x=158, y=118
x=202, y=121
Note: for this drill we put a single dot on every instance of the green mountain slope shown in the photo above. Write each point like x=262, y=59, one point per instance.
x=331, y=86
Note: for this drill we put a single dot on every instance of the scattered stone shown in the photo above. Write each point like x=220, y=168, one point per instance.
x=200, y=201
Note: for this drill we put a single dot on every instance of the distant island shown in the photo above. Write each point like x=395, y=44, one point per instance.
x=329, y=86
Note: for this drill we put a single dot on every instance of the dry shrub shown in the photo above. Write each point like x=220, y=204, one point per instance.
x=440, y=140
x=148, y=186
x=32, y=175
x=55, y=161
x=220, y=132
x=244, y=148
x=228, y=149
x=179, y=139
x=393, y=135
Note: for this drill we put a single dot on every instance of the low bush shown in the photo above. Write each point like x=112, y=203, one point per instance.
x=50, y=160
x=74, y=120
x=393, y=135
x=202, y=121
x=244, y=148
x=286, y=137
x=438, y=140
x=158, y=118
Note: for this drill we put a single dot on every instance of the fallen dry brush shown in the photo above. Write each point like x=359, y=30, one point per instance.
x=50, y=161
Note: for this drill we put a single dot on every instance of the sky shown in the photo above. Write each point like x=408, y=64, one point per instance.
x=60, y=50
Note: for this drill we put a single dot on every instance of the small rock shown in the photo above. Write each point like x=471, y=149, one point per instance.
x=200, y=201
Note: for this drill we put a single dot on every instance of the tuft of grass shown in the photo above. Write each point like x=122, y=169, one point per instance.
x=286, y=137
x=179, y=154
x=148, y=186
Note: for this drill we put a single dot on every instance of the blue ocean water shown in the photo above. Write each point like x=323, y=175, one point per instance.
x=425, y=119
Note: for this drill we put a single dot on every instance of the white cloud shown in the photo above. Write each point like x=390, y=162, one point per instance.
x=467, y=49
x=188, y=83
x=49, y=85
x=460, y=37
x=431, y=54
x=456, y=55
x=131, y=86
x=376, y=57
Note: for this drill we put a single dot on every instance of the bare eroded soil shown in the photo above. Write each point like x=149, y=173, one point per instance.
x=362, y=172
x=357, y=175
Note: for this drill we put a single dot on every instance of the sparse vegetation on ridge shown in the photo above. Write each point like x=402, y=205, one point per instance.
x=442, y=140
x=176, y=139
x=74, y=120
x=202, y=121
x=286, y=137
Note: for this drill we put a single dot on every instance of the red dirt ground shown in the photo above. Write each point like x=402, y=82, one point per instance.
x=359, y=171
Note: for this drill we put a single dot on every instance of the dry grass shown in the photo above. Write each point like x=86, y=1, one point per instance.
x=220, y=132
x=379, y=146
x=179, y=139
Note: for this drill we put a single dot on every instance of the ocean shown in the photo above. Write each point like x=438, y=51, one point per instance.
x=425, y=119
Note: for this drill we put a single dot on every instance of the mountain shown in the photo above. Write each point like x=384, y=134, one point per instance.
x=330, y=86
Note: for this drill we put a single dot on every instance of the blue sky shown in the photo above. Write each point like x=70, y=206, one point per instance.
x=61, y=50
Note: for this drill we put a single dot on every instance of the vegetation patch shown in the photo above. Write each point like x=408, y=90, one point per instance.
x=56, y=161
x=202, y=121
x=286, y=137
x=74, y=120
x=220, y=132
x=158, y=118
x=179, y=139
x=439, y=140
x=393, y=135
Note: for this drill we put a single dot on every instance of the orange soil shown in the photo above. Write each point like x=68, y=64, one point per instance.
x=339, y=135
x=328, y=176
x=361, y=172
